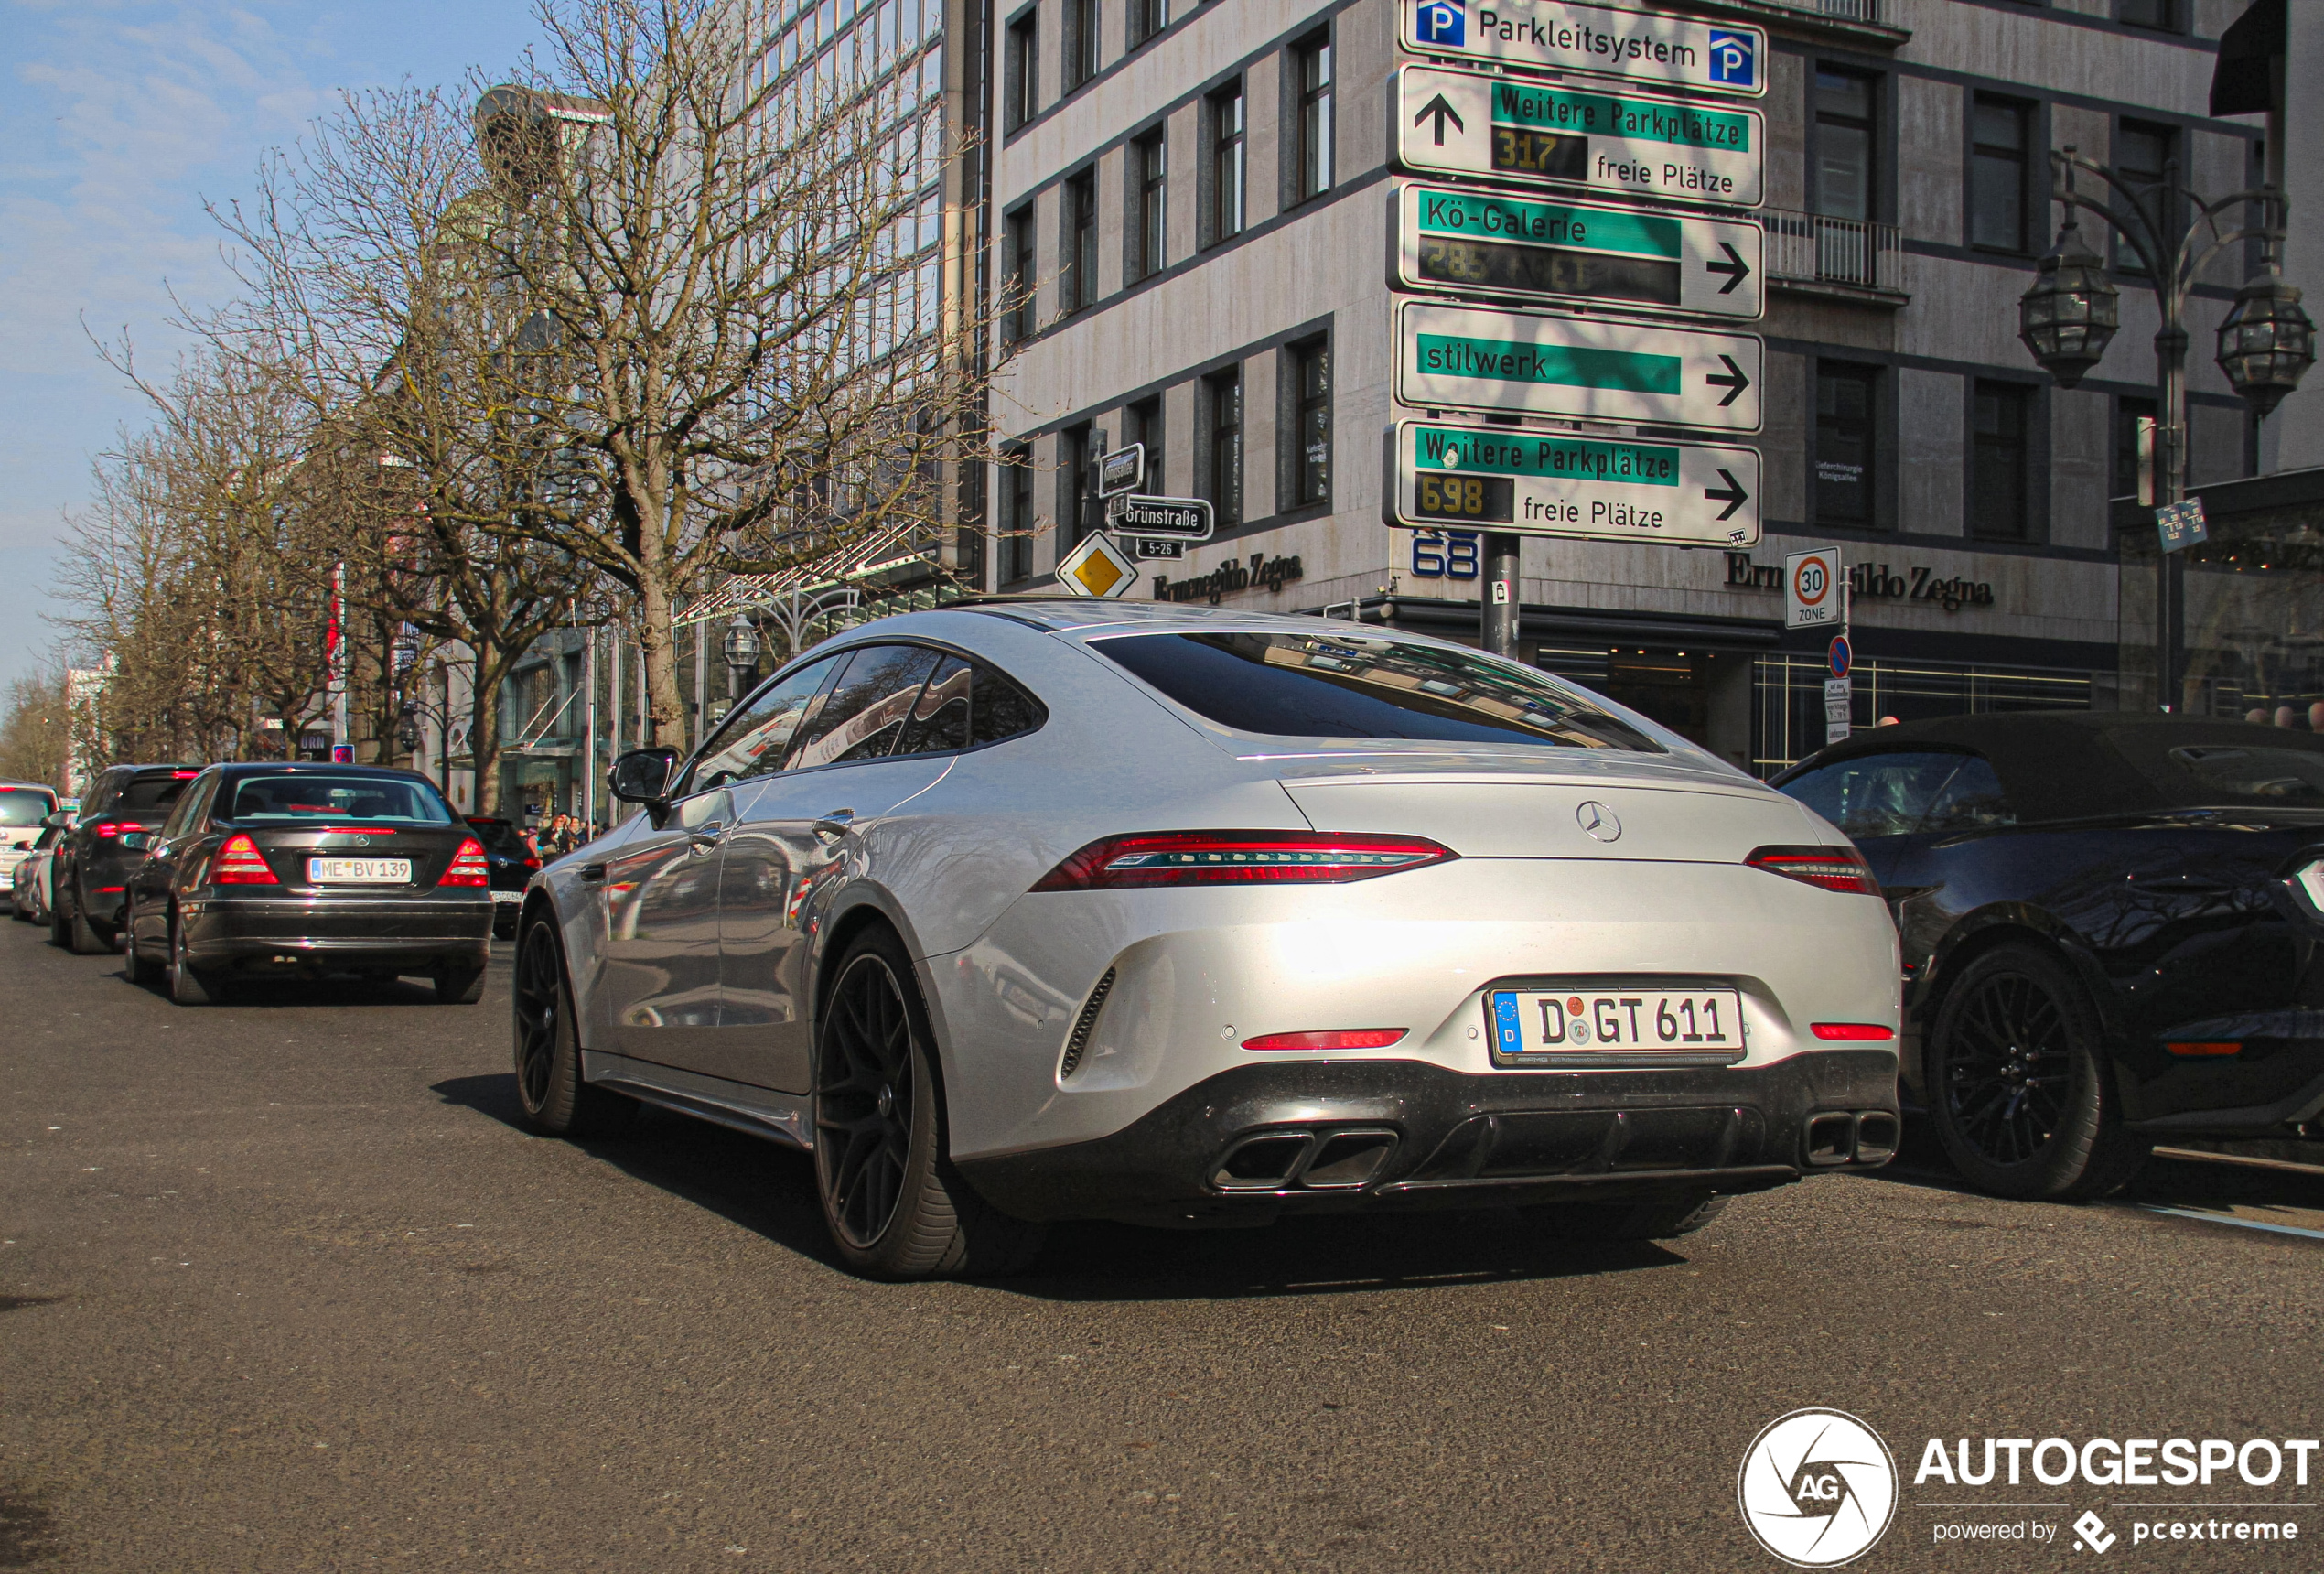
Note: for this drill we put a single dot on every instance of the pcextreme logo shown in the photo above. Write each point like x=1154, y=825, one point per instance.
x=1817, y=1488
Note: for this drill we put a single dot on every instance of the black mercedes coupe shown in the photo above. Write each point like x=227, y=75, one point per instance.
x=303, y=871
x=2110, y=927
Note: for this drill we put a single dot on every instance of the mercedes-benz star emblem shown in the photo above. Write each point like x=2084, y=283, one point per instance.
x=1597, y=820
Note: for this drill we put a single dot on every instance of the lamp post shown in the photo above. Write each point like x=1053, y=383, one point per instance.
x=740, y=648
x=2266, y=341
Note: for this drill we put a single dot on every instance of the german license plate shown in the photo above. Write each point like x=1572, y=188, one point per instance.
x=359, y=871
x=1600, y=1022
x=508, y=896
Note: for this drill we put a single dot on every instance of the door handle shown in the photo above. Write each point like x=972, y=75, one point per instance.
x=835, y=824
x=706, y=838
x=593, y=871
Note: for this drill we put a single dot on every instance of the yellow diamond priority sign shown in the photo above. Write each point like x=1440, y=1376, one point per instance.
x=1096, y=568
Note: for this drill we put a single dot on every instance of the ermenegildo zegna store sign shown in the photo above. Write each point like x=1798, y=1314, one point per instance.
x=1871, y=582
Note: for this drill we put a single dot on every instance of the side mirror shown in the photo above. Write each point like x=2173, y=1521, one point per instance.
x=60, y=821
x=136, y=841
x=642, y=776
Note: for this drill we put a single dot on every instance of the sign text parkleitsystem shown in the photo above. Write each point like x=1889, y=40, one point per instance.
x=1672, y=51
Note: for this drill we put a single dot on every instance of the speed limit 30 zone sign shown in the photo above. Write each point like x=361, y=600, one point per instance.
x=1814, y=593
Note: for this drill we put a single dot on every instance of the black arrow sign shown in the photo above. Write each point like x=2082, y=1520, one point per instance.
x=1734, y=496
x=1444, y=112
x=1735, y=267
x=1732, y=380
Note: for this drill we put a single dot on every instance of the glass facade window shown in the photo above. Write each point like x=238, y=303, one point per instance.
x=1227, y=164
x=1843, y=156
x=1847, y=412
x=1998, y=175
x=1017, y=518
x=1077, y=276
x=1313, y=61
x=1021, y=80
x=2161, y=15
x=1074, y=485
x=1147, y=18
x=1019, y=323
x=2000, y=434
x=1222, y=396
x=2143, y=152
x=1311, y=423
x=1142, y=423
x=1080, y=42
x=1150, y=240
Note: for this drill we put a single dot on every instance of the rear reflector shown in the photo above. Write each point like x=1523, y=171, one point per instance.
x=1833, y=868
x=468, y=867
x=1240, y=858
x=240, y=863
x=1854, y=1032
x=2192, y=1049
x=1329, y=1038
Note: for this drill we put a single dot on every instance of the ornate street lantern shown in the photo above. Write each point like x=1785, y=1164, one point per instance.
x=2073, y=309
x=741, y=649
x=2266, y=342
x=407, y=731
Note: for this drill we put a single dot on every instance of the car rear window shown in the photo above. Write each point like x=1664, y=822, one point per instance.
x=24, y=806
x=1350, y=685
x=149, y=796
x=2241, y=774
x=500, y=837
x=303, y=795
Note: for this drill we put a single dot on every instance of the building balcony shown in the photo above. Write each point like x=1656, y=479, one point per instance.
x=1865, y=23
x=1838, y=259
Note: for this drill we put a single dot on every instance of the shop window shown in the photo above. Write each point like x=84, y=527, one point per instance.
x=1847, y=444
x=2000, y=432
x=1843, y=155
x=1997, y=175
x=1223, y=479
x=1307, y=467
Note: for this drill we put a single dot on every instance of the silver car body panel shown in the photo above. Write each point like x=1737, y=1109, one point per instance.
x=1005, y=972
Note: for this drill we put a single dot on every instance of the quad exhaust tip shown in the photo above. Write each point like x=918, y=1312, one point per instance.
x=1851, y=1137
x=1304, y=1161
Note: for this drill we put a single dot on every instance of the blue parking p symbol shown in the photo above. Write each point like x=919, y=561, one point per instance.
x=1442, y=22
x=1734, y=61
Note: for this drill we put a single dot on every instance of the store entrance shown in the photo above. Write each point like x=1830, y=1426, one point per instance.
x=1672, y=687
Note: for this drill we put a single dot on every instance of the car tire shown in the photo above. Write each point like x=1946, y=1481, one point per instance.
x=81, y=937
x=59, y=931
x=459, y=986
x=152, y=975
x=550, y=1090
x=187, y=986
x=896, y=1207
x=2020, y=1087
x=1657, y=1220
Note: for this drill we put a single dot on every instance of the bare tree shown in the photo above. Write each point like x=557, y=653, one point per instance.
x=689, y=298
x=33, y=732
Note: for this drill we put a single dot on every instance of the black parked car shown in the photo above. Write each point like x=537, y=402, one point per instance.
x=89, y=875
x=306, y=869
x=2109, y=925
x=511, y=864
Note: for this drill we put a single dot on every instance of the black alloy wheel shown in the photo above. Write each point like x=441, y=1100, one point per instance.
x=549, y=1086
x=896, y=1207
x=2019, y=1083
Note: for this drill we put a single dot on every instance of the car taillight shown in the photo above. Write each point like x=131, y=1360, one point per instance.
x=110, y=828
x=1833, y=868
x=239, y=862
x=1329, y=1038
x=532, y=863
x=1240, y=858
x=469, y=867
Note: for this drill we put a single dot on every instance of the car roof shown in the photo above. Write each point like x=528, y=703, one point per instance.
x=302, y=767
x=6, y=786
x=2065, y=764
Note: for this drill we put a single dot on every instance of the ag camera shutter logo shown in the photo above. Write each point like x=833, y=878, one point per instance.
x=1734, y=60
x=1817, y=1488
x=1442, y=22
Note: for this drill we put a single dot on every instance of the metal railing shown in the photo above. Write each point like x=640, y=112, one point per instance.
x=1811, y=246
x=1847, y=10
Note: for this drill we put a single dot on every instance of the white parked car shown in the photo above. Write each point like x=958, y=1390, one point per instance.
x=1034, y=910
x=22, y=806
x=31, y=894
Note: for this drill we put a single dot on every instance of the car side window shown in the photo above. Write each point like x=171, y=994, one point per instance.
x=867, y=706
x=940, y=719
x=999, y=708
x=758, y=736
x=1876, y=794
x=190, y=808
x=1971, y=800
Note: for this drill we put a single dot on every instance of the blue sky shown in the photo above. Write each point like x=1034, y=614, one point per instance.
x=121, y=118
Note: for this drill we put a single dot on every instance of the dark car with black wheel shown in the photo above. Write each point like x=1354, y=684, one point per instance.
x=510, y=864
x=2110, y=930
x=88, y=876
x=283, y=870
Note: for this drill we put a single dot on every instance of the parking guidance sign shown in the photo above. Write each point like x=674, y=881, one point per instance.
x=1592, y=368
x=1670, y=51
x=1465, y=123
x=1447, y=475
x=1487, y=243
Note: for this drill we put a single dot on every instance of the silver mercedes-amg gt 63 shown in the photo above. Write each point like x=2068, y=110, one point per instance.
x=1031, y=910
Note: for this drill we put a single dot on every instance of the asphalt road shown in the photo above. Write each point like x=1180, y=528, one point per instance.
x=284, y=1287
